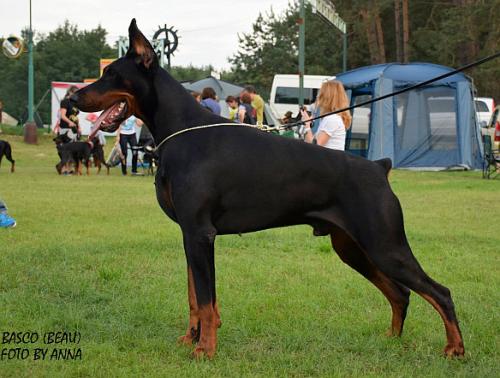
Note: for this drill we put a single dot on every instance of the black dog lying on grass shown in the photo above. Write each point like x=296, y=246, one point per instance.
x=211, y=181
x=6, y=150
x=79, y=153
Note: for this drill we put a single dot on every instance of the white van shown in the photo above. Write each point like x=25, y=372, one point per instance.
x=484, y=109
x=285, y=92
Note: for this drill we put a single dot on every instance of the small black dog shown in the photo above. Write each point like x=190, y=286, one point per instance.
x=78, y=153
x=74, y=152
x=6, y=149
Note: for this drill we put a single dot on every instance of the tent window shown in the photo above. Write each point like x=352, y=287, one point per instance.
x=443, y=121
x=426, y=129
x=358, y=136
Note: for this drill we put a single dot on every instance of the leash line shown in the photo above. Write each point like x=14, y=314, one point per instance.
x=451, y=73
x=290, y=125
x=198, y=128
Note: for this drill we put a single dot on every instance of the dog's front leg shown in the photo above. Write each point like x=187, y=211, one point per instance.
x=199, y=247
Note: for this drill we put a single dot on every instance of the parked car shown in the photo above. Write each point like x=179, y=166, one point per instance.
x=493, y=128
x=484, y=109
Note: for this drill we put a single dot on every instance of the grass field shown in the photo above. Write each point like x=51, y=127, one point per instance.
x=96, y=255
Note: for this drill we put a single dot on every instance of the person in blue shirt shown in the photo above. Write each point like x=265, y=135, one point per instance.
x=209, y=100
x=126, y=136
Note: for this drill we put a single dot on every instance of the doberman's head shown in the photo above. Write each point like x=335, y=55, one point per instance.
x=125, y=87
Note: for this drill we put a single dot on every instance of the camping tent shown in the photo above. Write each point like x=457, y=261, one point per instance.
x=223, y=89
x=431, y=127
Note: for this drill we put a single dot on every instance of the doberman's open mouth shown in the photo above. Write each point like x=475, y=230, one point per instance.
x=110, y=119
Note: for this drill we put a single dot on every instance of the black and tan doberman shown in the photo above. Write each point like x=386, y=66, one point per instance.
x=211, y=181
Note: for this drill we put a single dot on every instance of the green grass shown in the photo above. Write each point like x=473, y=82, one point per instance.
x=97, y=255
x=18, y=130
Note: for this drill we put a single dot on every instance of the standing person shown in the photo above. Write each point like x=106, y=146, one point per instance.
x=209, y=100
x=68, y=114
x=331, y=132
x=246, y=113
x=257, y=103
x=126, y=136
x=5, y=220
x=232, y=103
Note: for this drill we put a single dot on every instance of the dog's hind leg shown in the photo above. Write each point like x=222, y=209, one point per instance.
x=397, y=294
x=400, y=265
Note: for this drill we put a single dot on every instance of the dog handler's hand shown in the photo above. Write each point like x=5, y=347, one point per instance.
x=305, y=117
x=308, y=135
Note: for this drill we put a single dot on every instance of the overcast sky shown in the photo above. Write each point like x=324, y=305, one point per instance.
x=207, y=29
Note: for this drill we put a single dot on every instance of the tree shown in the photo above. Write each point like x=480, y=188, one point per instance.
x=447, y=32
x=66, y=54
x=457, y=32
x=190, y=73
x=272, y=48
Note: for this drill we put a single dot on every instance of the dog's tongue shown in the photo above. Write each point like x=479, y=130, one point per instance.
x=98, y=122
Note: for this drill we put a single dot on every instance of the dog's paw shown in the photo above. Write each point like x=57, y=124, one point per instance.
x=201, y=352
x=391, y=332
x=186, y=340
x=454, y=350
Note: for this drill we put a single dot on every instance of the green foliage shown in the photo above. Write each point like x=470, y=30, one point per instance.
x=66, y=54
x=190, y=73
x=272, y=48
x=17, y=130
x=450, y=33
x=456, y=35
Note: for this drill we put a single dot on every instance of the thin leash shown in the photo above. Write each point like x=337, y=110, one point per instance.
x=267, y=128
x=201, y=127
x=463, y=68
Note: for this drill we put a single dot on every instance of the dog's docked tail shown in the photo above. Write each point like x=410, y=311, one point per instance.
x=385, y=163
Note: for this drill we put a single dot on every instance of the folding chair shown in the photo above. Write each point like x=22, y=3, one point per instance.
x=491, y=162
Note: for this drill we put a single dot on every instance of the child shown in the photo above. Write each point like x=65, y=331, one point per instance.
x=232, y=103
x=5, y=220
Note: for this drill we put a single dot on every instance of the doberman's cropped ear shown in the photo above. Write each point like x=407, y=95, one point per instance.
x=140, y=47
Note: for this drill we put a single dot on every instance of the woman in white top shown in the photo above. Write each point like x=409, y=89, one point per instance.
x=331, y=132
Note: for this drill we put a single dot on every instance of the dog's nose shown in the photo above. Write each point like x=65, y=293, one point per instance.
x=74, y=98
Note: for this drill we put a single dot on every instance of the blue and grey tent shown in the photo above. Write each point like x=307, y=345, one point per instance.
x=433, y=127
